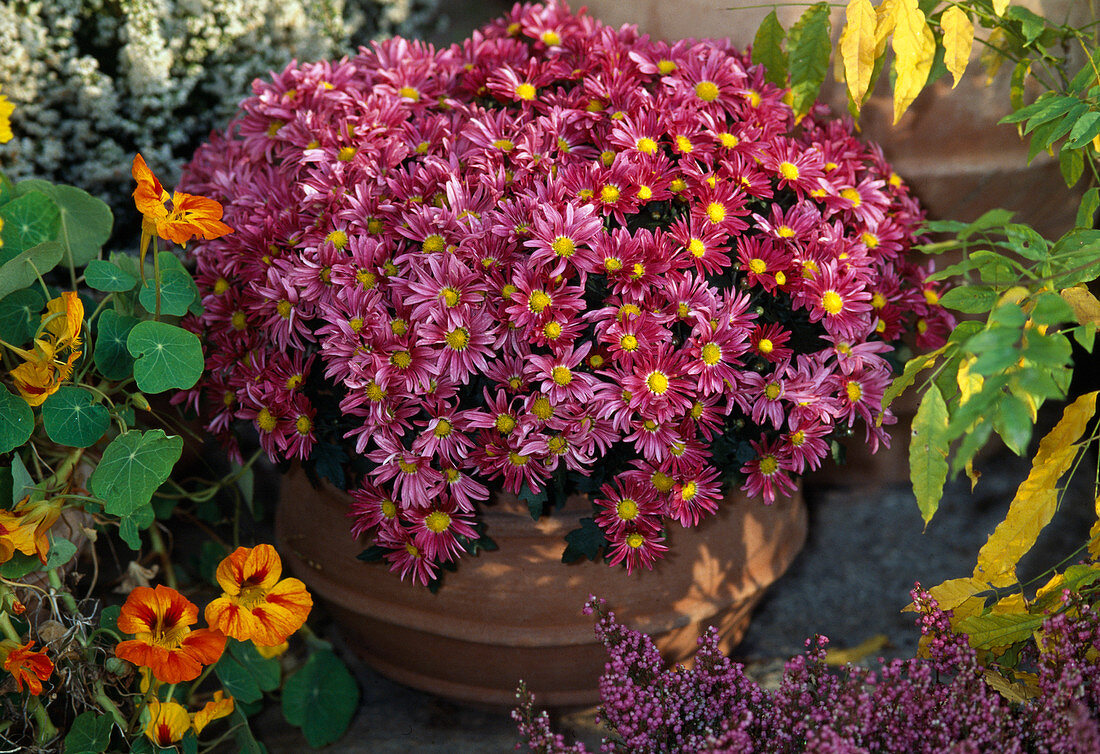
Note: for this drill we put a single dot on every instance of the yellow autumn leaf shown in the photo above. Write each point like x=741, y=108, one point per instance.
x=1012, y=691
x=914, y=51
x=857, y=48
x=1013, y=603
x=1036, y=498
x=1094, y=534
x=958, y=41
x=858, y=652
x=969, y=384
x=1086, y=307
x=953, y=592
x=885, y=20
x=1054, y=584
x=992, y=57
x=999, y=6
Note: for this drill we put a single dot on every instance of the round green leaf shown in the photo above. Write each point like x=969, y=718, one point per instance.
x=107, y=276
x=112, y=358
x=176, y=293
x=132, y=467
x=90, y=733
x=22, y=270
x=74, y=416
x=20, y=313
x=166, y=356
x=16, y=421
x=321, y=698
x=29, y=220
x=85, y=222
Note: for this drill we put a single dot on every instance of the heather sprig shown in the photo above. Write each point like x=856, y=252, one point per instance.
x=555, y=256
x=935, y=704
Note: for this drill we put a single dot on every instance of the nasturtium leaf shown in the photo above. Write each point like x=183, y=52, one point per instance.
x=321, y=699
x=130, y=525
x=166, y=356
x=237, y=681
x=809, y=47
x=29, y=220
x=176, y=293
x=133, y=466
x=16, y=420
x=20, y=565
x=20, y=313
x=112, y=358
x=24, y=269
x=90, y=733
x=108, y=276
x=767, y=50
x=108, y=618
x=246, y=741
x=61, y=552
x=7, y=189
x=74, y=416
x=928, y=448
x=22, y=483
x=85, y=221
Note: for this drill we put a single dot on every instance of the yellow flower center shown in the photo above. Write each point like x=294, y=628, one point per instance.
x=716, y=212
x=657, y=382
x=711, y=354
x=561, y=375
x=518, y=459
x=628, y=343
x=504, y=423
x=689, y=490
x=785, y=231
x=238, y=320
x=854, y=390
x=662, y=481
x=551, y=38
x=337, y=238
x=375, y=391
x=609, y=194
x=870, y=240
x=831, y=302
x=284, y=308
x=798, y=438
x=450, y=296
x=389, y=508
x=768, y=465
x=434, y=244
x=780, y=278
x=878, y=301
x=443, y=428
x=706, y=91
x=412, y=549
x=728, y=140
x=765, y=346
x=638, y=271
x=366, y=278
x=304, y=425
x=612, y=264
x=542, y=408
x=677, y=185
x=931, y=297
x=563, y=246
x=437, y=522
x=665, y=67
x=627, y=509
x=221, y=285
x=753, y=97
x=457, y=338
x=401, y=359
x=346, y=153
x=697, y=248
x=772, y=391
x=538, y=301
x=558, y=445
x=552, y=330
x=525, y=91
x=684, y=144
x=607, y=157
x=409, y=92
x=696, y=410
x=647, y=145
x=505, y=145
x=645, y=193
x=406, y=467
x=265, y=420
x=628, y=310
x=635, y=540
x=852, y=195
x=788, y=170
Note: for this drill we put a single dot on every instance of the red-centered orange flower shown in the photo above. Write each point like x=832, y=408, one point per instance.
x=221, y=706
x=25, y=665
x=63, y=319
x=189, y=217
x=41, y=374
x=168, y=722
x=160, y=621
x=256, y=605
x=26, y=528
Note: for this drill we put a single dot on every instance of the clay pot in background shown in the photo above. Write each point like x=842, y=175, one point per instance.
x=948, y=146
x=516, y=613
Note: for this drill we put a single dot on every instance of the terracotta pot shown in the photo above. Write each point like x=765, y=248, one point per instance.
x=516, y=613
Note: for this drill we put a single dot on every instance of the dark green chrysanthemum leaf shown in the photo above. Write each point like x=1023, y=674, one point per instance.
x=108, y=276
x=166, y=356
x=177, y=291
x=29, y=220
x=133, y=466
x=16, y=421
x=20, y=313
x=74, y=416
x=24, y=269
x=112, y=358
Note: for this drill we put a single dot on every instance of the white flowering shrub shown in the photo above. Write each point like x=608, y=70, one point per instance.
x=95, y=81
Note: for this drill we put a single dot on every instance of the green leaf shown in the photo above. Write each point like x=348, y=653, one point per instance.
x=767, y=50
x=130, y=525
x=7, y=189
x=133, y=466
x=1053, y=108
x=246, y=741
x=321, y=699
x=85, y=221
x=1013, y=423
x=240, y=681
x=176, y=293
x=535, y=501
x=166, y=356
x=908, y=376
x=108, y=276
x=994, y=218
x=1084, y=130
x=90, y=733
x=1051, y=309
x=999, y=629
x=1071, y=163
x=928, y=452
x=969, y=299
x=108, y=618
x=112, y=358
x=20, y=565
x=23, y=270
x=61, y=552
x=809, y=46
x=29, y=220
x=16, y=421
x=585, y=542
x=1031, y=24
x=20, y=314
x=22, y=483
x=1046, y=101
x=1086, y=211
x=74, y=416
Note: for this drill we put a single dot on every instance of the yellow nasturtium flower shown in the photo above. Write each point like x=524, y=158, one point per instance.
x=220, y=706
x=46, y=365
x=6, y=109
x=168, y=722
x=26, y=528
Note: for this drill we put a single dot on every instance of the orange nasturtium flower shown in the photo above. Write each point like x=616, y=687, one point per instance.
x=255, y=604
x=220, y=706
x=26, y=665
x=46, y=365
x=160, y=621
x=190, y=215
x=168, y=722
x=26, y=528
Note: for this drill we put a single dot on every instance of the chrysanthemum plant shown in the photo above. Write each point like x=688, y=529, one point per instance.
x=557, y=257
x=85, y=339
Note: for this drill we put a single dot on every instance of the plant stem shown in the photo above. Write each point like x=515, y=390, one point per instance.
x=46, y=729
x=108, y=704
x=59, y=589
x=8, y=629
x=198, y=682
x=162, y=552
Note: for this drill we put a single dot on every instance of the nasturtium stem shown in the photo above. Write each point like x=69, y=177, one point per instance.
x=46, y=729
x=162, y=553
x=108, y=704
x=7, y=628
x=65, y=595
x=191, y=693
